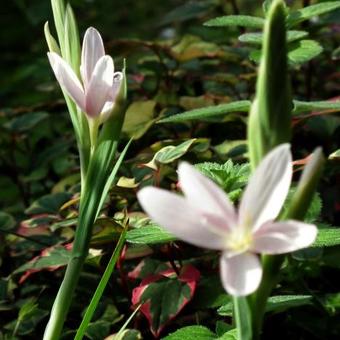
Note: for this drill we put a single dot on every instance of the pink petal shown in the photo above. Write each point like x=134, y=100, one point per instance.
x=283, y=237
x=92, y=51
x=98, y=90
x=267, y=188
x=67, y=79
x=175, y=214
x=240, y=274
x=204, y=194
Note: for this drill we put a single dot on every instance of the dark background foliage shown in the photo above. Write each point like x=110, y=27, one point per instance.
x=175, y=64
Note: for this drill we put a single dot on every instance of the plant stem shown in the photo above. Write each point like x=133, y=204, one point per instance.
x=242, y=318
x=63, y=299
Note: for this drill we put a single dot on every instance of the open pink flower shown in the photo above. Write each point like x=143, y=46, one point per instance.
x=206, y=218
x=96, y=92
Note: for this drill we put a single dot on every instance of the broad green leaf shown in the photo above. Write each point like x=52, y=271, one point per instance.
x=192, y=332
x=49, y=203
x=230, y=335
x=257, y=38
x=301, y=106
x=170, y=153
x=7, y=222
x=269, y=121
x=139, y=118
x=308, y=12
x=236, y=20
x=58, y=256
x=327, y=237
x=26, y=122
x=303, y=51
x=150, y=234
x=208, y=112
x=164, y=295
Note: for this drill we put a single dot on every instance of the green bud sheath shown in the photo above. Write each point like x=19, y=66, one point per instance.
x=270, y=114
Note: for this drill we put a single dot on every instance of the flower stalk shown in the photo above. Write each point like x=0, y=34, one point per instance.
x=95, y=95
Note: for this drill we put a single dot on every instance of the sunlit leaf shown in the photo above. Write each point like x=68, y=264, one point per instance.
x=236, y=20
x=296, y=17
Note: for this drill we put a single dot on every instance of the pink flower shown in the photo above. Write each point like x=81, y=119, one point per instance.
x=95, y=94
x=206, y=218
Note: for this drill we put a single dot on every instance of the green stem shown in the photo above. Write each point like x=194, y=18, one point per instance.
x=63, y=299
x=242, y=318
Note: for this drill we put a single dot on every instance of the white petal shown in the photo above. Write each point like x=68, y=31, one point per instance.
x=267, y=188
x=283, y=237
x=174, y=213
x=205, y=195
x=98, y=91
x=240, y=274
x=117, y=82
x=67, y=79
x=92, y=51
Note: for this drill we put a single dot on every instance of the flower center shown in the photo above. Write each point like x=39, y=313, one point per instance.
x=239, y=240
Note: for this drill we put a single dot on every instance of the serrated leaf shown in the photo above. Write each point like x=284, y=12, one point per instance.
x=308, y=12
x=236, y=20
x=192, y=332
x=208, y=112
x=303, y=51
x=164, y=295
x=327, y=237
x=150, y=234
x=301, y=106
x=169, y=154
x=257, y=38
x=228, y=176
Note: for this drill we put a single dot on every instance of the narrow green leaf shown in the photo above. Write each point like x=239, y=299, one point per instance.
x=301, y=106
x=308, y=12
x=257, y=38
x=327, y=237
x=236, y=20
x=101, y=287
x=58, y=9
x=270, y=116
x=277, y=303
x=112, y=176
x=208, y=112
x=150, y=234
x=72, y=43
x=51, y=42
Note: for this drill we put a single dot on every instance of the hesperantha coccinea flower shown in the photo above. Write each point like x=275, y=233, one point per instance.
x=96, y=92
x=205, y=217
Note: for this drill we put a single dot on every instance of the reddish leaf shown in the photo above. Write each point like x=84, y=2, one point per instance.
x=164, y=295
